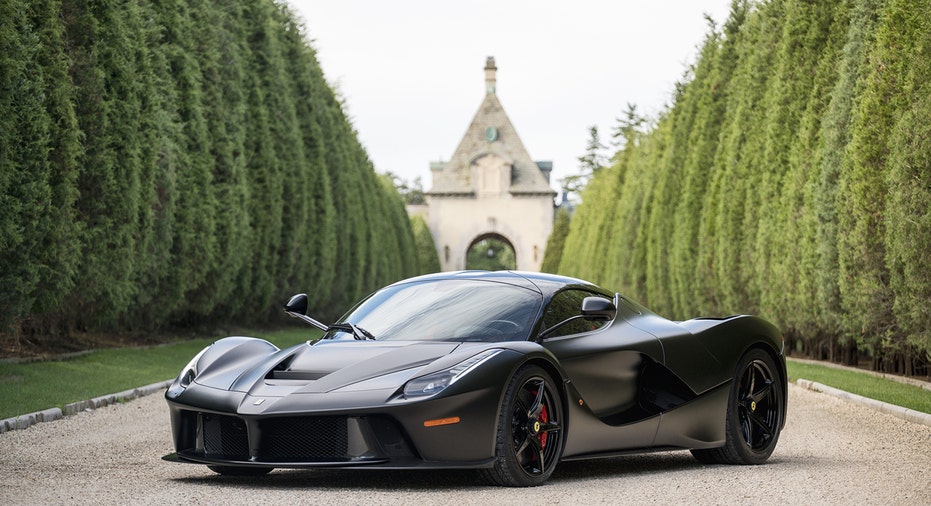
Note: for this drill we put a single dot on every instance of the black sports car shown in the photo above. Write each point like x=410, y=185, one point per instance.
x=506, y=372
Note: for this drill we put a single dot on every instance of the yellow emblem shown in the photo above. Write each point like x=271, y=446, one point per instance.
x=752, y=405
x=536, y=426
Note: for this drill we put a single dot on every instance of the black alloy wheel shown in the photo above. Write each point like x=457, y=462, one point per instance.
x=755, y=413
x=757, y=408
x=530, y=431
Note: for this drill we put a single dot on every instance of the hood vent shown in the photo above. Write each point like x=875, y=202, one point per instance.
x=283, y=371
x=295, y=375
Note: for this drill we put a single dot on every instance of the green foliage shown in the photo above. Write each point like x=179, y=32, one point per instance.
x=491, y=254
x=708, y=94
x=38, y=163
x=785, y=252
x=835, y=133
x=905, y=41
x=556, y=241
x=789, y=177
x=579, y=258
x=221, y=66
x=866, y=297
x=589, y=164
x=428, y=260
x=114, y=105
x=179, y=162
x=398, y=245
x=411, y=191
x=626, y=266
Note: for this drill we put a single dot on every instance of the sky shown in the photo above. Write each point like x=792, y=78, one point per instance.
x=411, y=72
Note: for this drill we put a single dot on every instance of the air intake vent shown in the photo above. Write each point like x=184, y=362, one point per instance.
x=225, y=437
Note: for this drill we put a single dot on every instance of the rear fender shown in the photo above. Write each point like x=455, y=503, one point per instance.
x=722, y=342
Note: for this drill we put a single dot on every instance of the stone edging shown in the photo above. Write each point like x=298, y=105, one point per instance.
x=24, y=421
x=884, y=407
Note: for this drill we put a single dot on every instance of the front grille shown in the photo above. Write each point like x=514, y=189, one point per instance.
x=225, y=437
x=299, y=438
x=317, y=438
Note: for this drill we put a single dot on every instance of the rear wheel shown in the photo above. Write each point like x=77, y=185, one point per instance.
x=529, y=441
x=754, y=413
x=240, y=471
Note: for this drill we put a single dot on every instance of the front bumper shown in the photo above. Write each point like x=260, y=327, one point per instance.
x=392, y=435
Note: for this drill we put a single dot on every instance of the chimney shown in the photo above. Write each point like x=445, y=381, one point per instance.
x=490, y=69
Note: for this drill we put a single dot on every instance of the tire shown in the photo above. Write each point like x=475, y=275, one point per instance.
x=529, y=441
x=240, y=471
x=755, y=413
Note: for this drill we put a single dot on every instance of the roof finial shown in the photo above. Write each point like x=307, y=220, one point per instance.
x=490, y=69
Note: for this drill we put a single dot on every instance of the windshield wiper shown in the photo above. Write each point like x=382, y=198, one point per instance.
x=358, y=333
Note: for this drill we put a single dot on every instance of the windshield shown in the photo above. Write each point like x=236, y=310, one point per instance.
x=446, y=310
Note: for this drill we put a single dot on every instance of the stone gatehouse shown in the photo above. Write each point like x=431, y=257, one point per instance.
x=490, y=188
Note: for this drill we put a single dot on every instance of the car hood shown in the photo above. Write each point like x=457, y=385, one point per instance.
x=328, y=365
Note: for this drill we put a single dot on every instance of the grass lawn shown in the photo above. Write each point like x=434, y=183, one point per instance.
x=29, y=387
x=884, y=390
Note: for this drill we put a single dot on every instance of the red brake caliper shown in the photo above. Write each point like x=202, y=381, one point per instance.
x=544, y=417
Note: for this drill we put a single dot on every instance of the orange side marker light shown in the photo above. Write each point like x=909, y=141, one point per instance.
x=441, y=421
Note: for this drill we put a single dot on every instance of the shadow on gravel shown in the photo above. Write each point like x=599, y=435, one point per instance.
x=448, y=479
x=628, y=466
x=337, y=479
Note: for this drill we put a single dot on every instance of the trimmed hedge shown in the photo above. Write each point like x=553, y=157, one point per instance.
x=175, y=163
x=790, y=177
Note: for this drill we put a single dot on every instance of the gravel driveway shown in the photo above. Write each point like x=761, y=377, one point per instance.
x=831, y=452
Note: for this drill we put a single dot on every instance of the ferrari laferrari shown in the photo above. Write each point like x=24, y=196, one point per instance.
x=505, y=372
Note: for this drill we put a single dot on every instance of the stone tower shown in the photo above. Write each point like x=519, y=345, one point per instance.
x=490, y=188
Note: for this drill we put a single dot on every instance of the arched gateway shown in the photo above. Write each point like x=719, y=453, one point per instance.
x=490, y=188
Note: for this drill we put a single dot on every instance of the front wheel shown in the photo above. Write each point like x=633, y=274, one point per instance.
x=755, y=413
x=529, y=440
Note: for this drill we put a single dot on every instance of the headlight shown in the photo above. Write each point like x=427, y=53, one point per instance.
x=190, y=370
x=187, y=375
x=437, y=382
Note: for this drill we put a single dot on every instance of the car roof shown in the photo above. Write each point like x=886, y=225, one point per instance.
x=545, y=283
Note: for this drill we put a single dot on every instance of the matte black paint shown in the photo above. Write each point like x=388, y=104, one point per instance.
x=640, y=383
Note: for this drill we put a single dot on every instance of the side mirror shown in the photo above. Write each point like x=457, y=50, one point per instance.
x=297, y=307
x=297, y=304
x=597, y=308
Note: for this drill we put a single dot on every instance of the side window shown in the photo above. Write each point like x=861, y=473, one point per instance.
x=564, y=305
